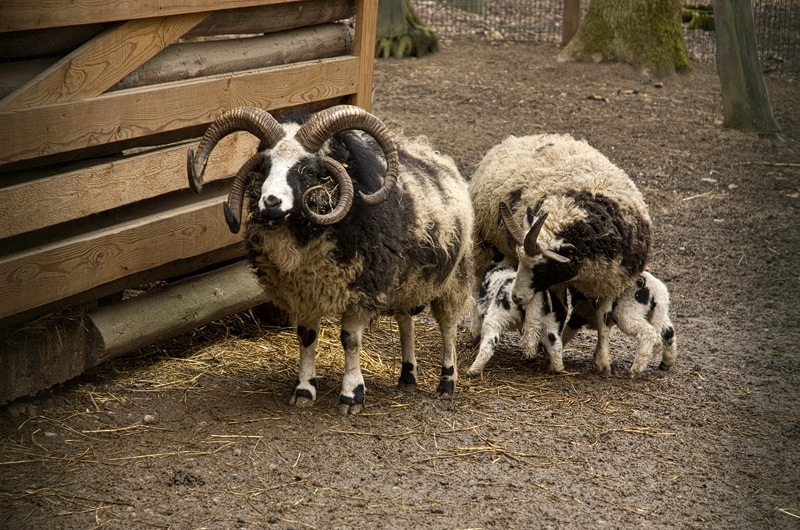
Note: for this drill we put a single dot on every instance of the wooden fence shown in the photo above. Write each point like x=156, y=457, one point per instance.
x=99, y=102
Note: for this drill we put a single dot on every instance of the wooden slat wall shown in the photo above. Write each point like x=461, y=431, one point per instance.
x=67, y=109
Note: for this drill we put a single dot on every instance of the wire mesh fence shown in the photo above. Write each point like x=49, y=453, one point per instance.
x=777, y=26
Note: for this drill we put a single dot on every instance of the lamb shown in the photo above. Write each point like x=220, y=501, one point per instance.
x=328, y=236
x=585, y=225
x=642, y=312
x=495, y=313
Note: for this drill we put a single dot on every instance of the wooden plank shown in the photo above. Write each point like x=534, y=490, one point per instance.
x=366, y=27
x=74, y=194
x=18, y=15
x=39, y=131
x=51, y=272
x=97, y=65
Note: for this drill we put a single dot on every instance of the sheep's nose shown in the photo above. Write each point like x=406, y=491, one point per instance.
x=272, y=201
x=516, y=299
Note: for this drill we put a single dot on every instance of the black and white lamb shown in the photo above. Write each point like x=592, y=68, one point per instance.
x=329, y=236
x=584, y=225
x=495, y=313
x=642, y=312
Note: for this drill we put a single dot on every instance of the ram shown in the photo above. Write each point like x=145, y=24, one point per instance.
x=329, y=236
x=584, y=225
x=495, y=313
x=642, y=312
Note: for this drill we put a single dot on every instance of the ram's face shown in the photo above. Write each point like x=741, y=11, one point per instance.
x=290, y=170
x=537, y=273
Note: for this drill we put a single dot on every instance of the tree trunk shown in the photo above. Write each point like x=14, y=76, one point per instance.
x=644, y=33
x=744, y=94
x=401, y=32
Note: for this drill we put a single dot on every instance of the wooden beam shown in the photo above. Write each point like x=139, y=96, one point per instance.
x=19, y=45
x=70, y=195
x=166, y=312
x=117, y=116
x=366, y=26
x=100, y=63
x=198, y=59
x=19, y=15
x=55, y=271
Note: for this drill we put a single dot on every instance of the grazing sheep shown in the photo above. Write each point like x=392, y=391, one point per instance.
x=495, y=313
x=329, y=236
x=641, y=311
x=593, y=233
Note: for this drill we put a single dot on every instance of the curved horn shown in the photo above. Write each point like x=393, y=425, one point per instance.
x=323, y=125
x=233, y=212
x=251, y=119
x=511, y=224
x=530, y=243
x=345, y=195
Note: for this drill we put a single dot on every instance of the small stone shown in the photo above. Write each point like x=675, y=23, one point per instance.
x=149, y=419
x=708, y=180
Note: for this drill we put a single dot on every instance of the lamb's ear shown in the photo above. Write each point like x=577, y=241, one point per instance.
x=530, y=215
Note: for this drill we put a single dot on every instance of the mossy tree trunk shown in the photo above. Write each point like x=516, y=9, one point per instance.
x=645, y=33
x=401, y=33
x=745, y=100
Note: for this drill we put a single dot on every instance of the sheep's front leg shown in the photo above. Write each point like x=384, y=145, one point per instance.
x=448, y=325
x=305, y=389
x=351, y=399
x=408, y=371
x=602, y=322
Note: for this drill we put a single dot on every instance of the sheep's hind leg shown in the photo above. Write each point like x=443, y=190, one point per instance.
x=305, y=389
x=351, y=399
x=408, y=371
x=448, y=326
x=602, y=352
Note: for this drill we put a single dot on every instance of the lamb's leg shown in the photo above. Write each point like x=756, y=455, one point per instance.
x=669, y=346
x=602, y=321
x=552, y=343
x=448, y=325
x=490, y=336
x=647, y=337
x=305, y=389
x=408, y=371
x=351, y=399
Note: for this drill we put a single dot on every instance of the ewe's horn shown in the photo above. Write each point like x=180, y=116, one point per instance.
x=251, y=119
x=323, y=125
x=511, y=224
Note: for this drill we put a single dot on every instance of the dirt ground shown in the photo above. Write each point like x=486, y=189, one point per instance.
x=197, y=432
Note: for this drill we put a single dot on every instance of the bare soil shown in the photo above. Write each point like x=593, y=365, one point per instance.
x=197, y=432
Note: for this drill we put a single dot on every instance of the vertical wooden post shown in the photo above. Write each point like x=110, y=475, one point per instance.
x=570, y=20
x=364, y=48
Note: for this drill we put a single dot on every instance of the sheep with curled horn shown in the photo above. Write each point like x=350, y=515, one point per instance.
x=572, y=219
x=390, y=244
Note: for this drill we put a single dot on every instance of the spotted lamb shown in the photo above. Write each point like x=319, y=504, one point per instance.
x=495, y=313
x=641, y=311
